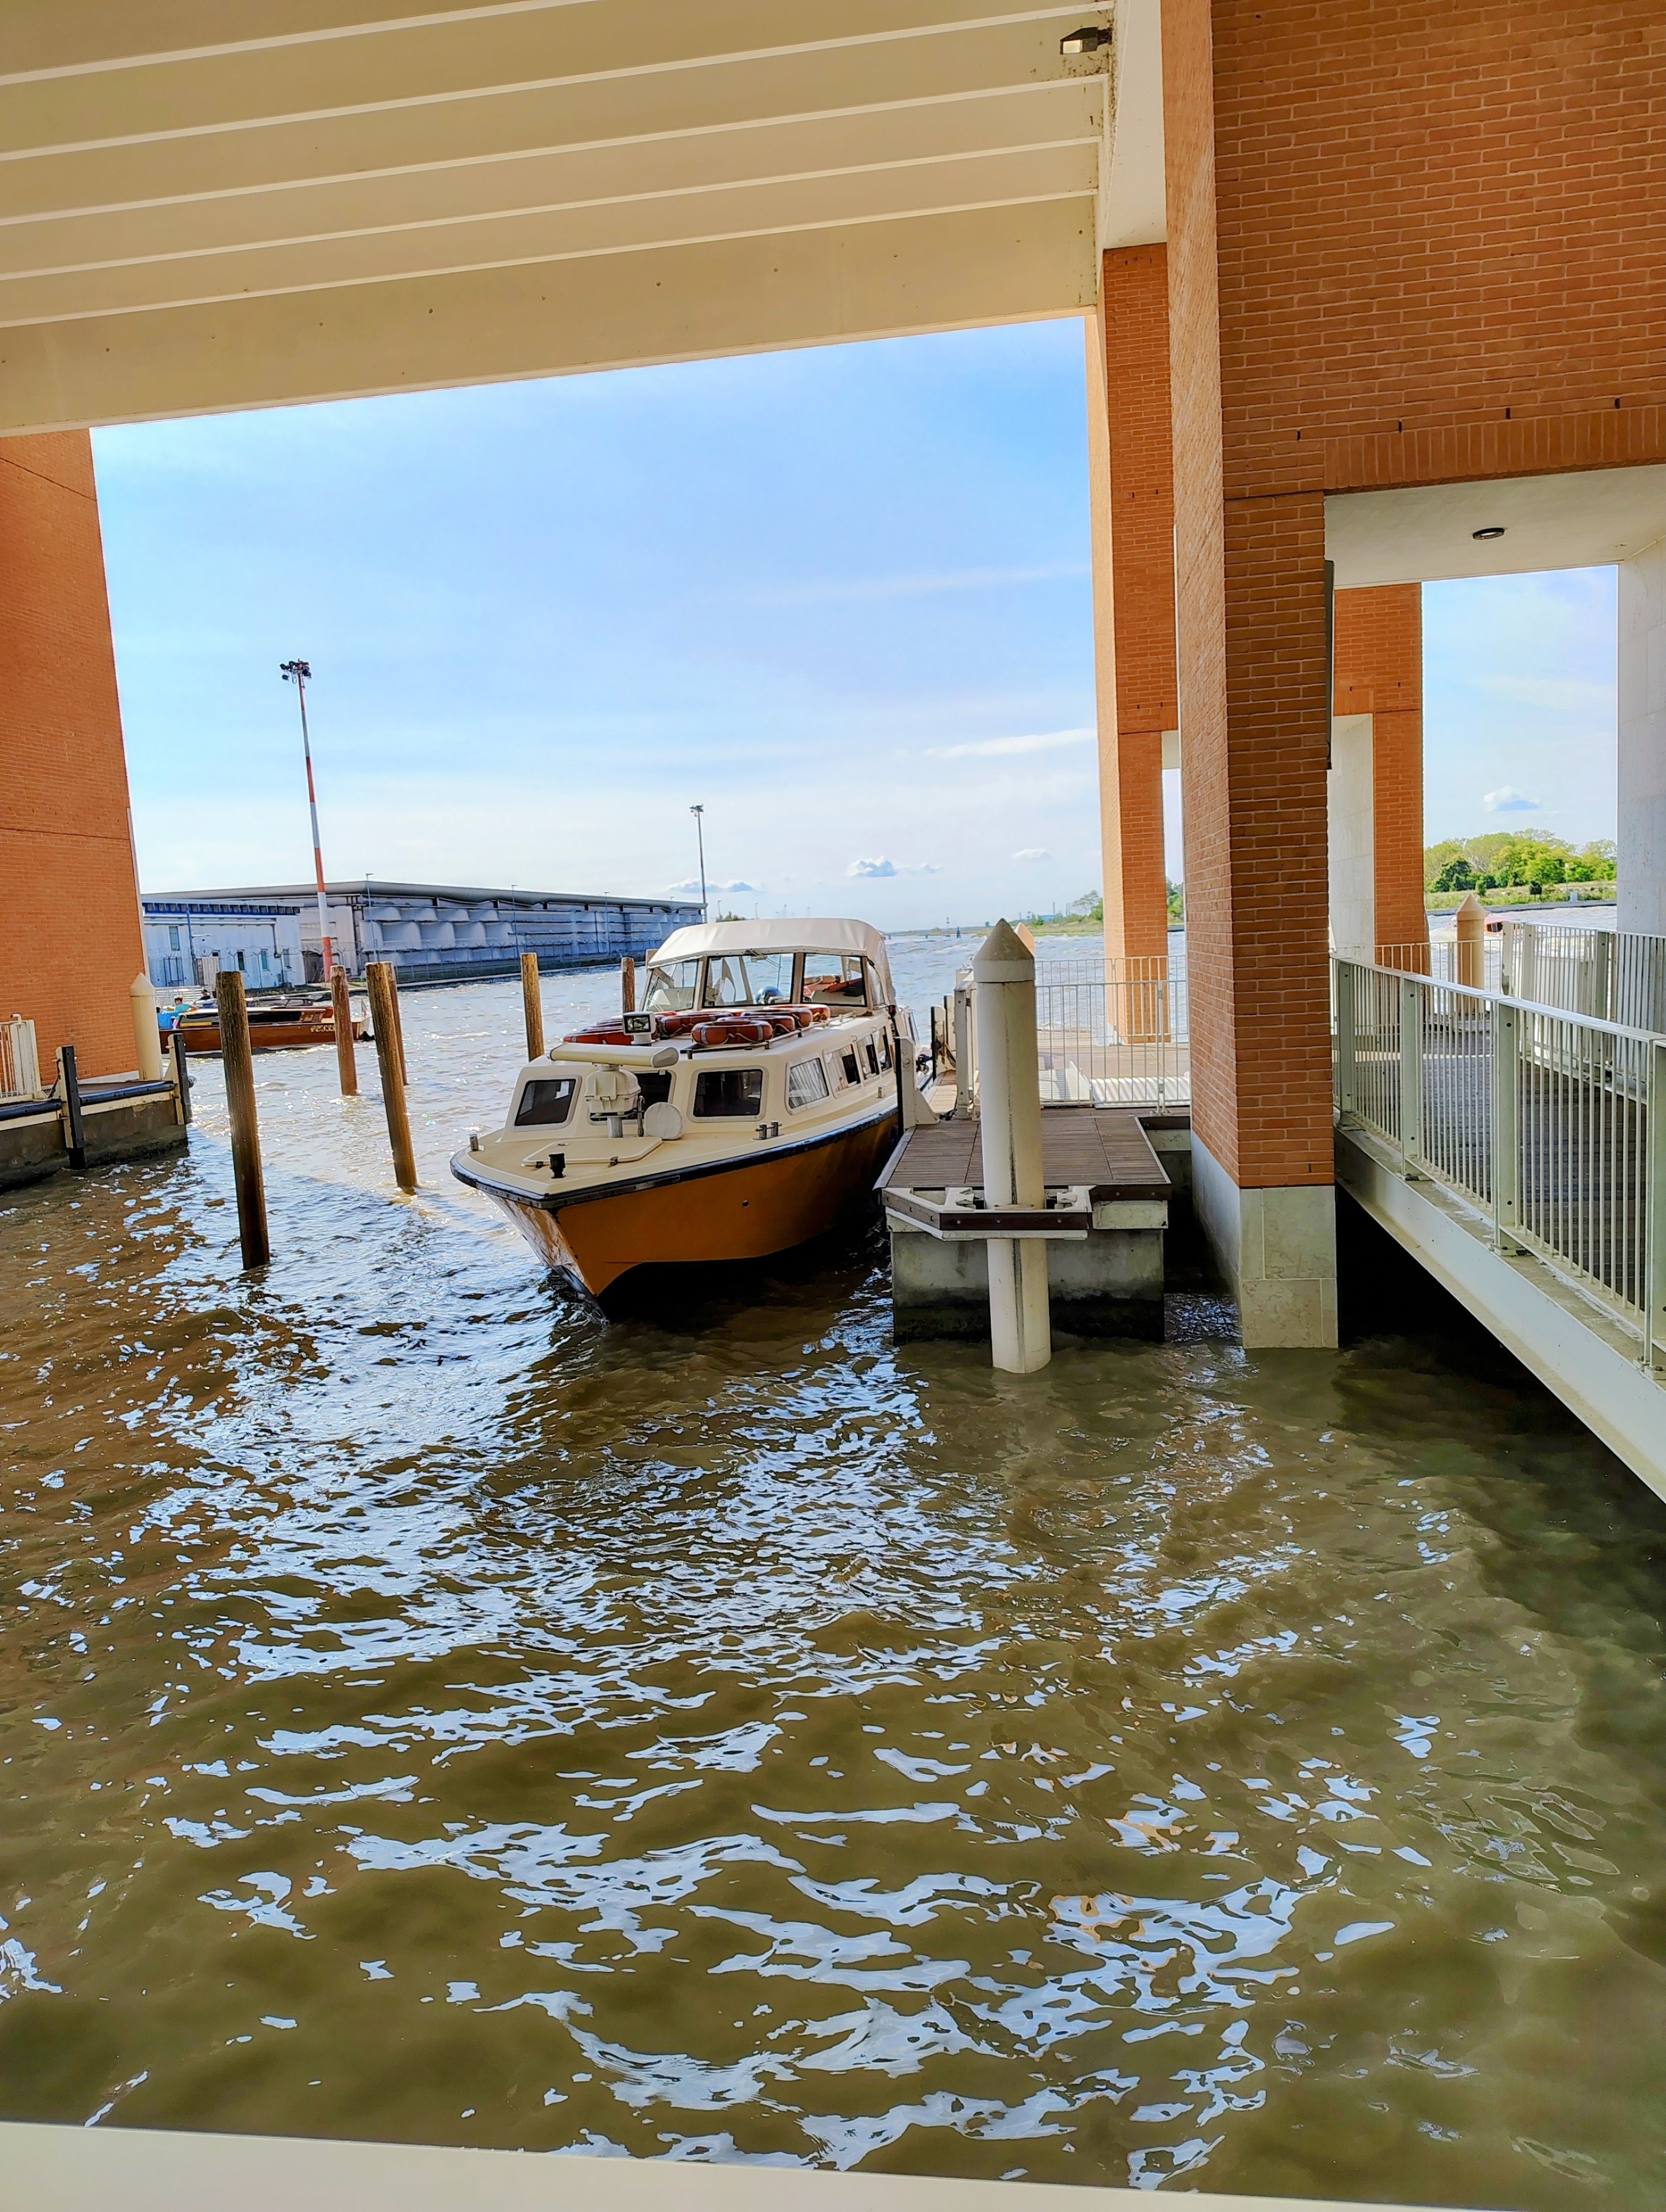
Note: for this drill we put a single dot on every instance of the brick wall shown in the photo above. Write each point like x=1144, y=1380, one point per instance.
x=1133, y=590
x=1442, y=237
x=1379, y=672
x=1407, y=243
x=70, y=943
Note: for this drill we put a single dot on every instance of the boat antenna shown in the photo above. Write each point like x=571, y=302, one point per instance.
x=298, y=673
x=699, y=814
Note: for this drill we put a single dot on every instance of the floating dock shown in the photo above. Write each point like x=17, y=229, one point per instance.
x=1108, y=1197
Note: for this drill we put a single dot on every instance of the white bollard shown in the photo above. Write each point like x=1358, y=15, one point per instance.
x=1009, y=1116
x=146, y=1034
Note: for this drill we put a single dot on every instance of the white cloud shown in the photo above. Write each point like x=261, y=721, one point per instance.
x=881, y=866
x=1506, y=799
x=734, y=883
x=1033, y=853
x=995, y=748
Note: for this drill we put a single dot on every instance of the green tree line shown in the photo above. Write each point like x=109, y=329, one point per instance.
x=1505, y=858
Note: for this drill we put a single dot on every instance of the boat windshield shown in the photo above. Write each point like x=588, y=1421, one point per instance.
x=749, y=979
x=670, y=989
x=835, y=979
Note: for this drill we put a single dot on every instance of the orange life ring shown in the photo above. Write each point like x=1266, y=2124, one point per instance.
x=718, y=1034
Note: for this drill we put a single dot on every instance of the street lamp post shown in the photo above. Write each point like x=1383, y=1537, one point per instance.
x=297, y=672
x=699, y=814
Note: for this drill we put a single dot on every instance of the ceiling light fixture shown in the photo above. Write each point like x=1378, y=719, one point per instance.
x=1493, y=529
x=1089, y=40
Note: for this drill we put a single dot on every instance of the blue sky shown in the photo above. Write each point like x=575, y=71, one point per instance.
x=840, y=596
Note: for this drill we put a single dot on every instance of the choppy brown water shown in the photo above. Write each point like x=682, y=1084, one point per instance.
x=433, y=1713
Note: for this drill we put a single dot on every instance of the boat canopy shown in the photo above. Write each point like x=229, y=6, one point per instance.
x=709, y=939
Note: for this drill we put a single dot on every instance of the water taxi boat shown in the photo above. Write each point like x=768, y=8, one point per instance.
x=743, y=1108
x=276, y=1022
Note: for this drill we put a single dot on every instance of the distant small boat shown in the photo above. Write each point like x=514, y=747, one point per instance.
x=283, y=1021
x=742, y=1110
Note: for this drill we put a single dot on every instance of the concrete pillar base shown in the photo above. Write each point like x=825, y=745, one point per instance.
x=1277, y=1250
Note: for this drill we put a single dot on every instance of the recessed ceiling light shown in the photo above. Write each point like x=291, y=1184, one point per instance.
x=1493, y=529
x=1088, y=41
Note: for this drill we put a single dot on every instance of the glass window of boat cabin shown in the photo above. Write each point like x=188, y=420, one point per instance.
x=748, y=979
x=846, y=1067
x=728, y=1094
x=806, y=1084
x=835, y=979
x=544, y=1104
x=672, y=989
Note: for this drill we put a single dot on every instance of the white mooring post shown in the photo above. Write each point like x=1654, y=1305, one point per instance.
x=1009, y=1116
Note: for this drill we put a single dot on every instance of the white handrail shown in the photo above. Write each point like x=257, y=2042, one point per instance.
x=1552, y=1124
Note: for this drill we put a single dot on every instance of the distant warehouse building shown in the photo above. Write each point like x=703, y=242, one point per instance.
x=447, y=932
x=189, y=939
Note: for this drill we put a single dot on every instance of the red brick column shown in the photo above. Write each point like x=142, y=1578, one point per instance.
x=1133, y=488
x=1379, y=672
x=1255, y=725
x=70, y=943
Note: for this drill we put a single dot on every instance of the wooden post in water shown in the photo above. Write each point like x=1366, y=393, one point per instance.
x=398, y=1023
x=346, y=1061
x=627, y=985
x=238, y=1059
x=74, y=1133
x=531, y=999
x=1009, y=1115
x=384, y=1020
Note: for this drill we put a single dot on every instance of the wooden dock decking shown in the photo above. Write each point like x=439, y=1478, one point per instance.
x=1103, y=1148
x=1104, y=1276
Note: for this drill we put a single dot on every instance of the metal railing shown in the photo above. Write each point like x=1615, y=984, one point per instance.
x=1612, y=975
x=1553, y=1123
x=20, y=1062
x=1115, y=1038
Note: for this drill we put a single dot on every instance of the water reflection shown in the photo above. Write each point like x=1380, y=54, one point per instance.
x=437, y=1713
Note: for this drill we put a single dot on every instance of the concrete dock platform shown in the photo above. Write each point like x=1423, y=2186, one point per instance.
x=1105, y=1274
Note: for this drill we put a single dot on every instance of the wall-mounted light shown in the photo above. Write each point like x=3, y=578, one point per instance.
x=1090, y=41
x=1493, y=529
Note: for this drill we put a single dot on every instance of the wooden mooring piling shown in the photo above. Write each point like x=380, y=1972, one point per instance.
x=390, y=1058
x=237, y=1057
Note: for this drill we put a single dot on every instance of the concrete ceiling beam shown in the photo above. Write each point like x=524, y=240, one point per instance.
x=482, y=127
x=417, y=65
x=775, y=206
x=818, y=286
x=570, y=177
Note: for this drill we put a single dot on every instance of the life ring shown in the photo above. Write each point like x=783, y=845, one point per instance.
x=719, y=1034
x=611, y=1034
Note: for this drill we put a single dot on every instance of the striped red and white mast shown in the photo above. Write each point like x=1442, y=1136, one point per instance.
x=297, y=672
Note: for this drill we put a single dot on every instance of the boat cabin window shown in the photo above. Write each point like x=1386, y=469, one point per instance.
x=881, y=1045
x=835, y=979
x=806, y=1083
x=729, y=1092
x=653, y=1087
x=544, y=1102
x=670, y=989
x=749, y=979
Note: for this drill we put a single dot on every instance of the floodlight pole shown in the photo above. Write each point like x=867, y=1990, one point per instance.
x=296, y=672
x=699, y=814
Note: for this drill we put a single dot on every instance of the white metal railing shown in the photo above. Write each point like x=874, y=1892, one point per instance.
x=1552, y=1122
x=1115, y=1038
x=20, y=1062
x=1612, y=975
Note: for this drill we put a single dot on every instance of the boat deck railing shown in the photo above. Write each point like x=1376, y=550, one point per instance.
x=1549, y=1122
